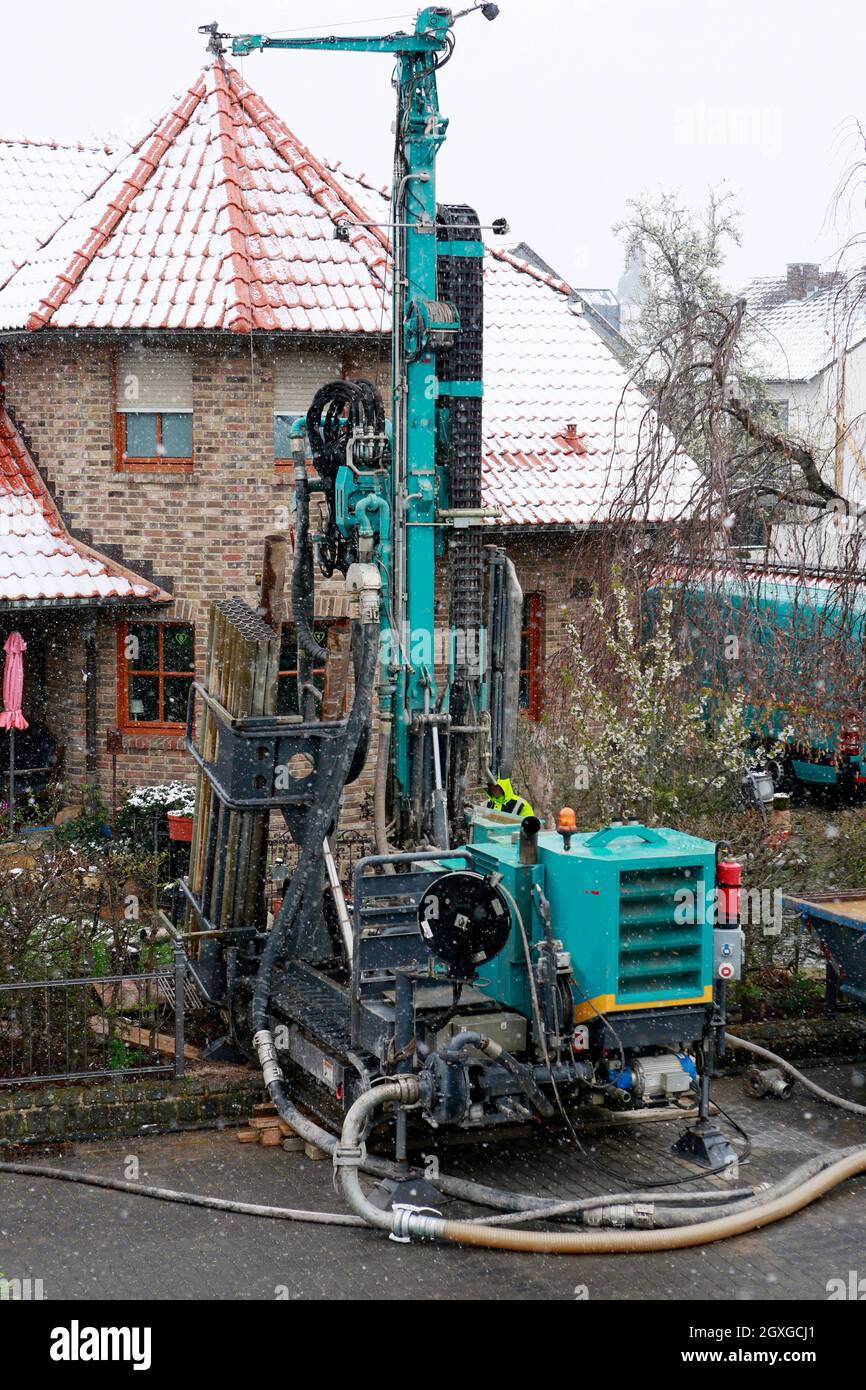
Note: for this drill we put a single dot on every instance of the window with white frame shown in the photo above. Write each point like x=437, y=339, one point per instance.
x=297, y=378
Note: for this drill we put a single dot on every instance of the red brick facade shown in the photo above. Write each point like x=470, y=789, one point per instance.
x=201, y=530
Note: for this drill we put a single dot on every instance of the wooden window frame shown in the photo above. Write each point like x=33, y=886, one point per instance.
x=123, y=464
x=132, y=726
x=533, y=627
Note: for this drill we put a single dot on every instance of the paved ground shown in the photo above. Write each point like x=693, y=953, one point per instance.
x=90, y=1244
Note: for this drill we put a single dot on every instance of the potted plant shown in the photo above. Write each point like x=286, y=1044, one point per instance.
x=180, y=826
x=175, y=800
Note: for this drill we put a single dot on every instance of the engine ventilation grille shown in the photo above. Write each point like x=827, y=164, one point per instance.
x=660, y=954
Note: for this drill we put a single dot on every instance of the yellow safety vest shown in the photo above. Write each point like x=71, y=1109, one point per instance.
x=509, y=800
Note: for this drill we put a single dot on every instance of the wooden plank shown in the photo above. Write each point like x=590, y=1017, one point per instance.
x=143, y=1038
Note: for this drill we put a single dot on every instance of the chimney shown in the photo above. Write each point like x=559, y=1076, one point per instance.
x=803, y=278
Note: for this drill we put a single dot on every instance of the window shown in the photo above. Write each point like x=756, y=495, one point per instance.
x=156, y=437
x=287, y=689
x=156, y=665
x=154, y=409
x=781, y=412
x=297, y=378
x=531, y=644
x=283, y=436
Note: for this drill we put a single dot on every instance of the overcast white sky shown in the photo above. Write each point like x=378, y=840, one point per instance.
x=560, y=111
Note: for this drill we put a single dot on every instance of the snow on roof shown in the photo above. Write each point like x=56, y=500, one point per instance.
x=220, y=218
x=566, y=435
x=796, y=339
x=41, y=181
x=39, y=560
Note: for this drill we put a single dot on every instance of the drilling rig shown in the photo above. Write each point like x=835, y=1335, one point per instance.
x=499, y=973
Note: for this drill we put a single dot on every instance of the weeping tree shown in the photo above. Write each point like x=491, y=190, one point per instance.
x=695, y=349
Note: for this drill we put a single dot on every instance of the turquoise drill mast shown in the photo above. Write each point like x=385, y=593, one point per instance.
x=396, y=515
x=570, y=929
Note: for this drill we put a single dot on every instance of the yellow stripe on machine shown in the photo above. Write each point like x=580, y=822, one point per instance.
x=606, y=1004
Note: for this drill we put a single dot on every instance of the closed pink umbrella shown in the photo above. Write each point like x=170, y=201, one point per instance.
x=12, y=717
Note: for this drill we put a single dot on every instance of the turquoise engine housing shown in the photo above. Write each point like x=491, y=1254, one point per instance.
x=631, y=904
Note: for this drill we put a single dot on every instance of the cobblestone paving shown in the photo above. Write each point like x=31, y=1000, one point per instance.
x=90, y=1244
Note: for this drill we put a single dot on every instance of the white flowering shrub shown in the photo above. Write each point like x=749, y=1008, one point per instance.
x=630, y=736
x=166, y=796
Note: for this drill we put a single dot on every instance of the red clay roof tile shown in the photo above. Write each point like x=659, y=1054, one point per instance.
x=39, y=560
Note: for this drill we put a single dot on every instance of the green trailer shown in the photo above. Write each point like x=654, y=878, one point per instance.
x=798, y=637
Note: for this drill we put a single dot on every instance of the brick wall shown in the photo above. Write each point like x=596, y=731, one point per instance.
x=203, y=530
x=210, y=1098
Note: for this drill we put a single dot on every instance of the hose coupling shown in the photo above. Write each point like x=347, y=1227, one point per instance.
x=418, y=1222
x=637, y=1215
x=263, y=1042
x=409, y=1088
x=350, y=1155
x=769, y=1081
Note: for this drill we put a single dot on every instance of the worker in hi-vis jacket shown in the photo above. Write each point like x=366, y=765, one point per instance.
x=501, y=796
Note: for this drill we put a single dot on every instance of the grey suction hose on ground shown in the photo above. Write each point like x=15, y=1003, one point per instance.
x=791, y=1183
x=197, y=1199
x=659, y=1211
x=190, y=1199
x=746, y=1046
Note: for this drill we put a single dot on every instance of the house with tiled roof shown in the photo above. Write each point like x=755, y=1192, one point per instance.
x=160, y=331
x=806, y=341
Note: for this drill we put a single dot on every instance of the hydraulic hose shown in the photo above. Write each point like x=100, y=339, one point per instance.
x=380, y=791
x=746, y=1046
x=317, y=826
x=302, y=579
x=359, y=759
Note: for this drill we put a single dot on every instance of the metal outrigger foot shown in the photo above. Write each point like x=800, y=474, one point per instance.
x=705, y=1145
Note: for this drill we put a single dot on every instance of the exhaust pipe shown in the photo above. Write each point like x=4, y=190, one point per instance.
x=529, y=828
